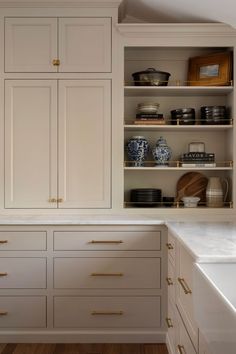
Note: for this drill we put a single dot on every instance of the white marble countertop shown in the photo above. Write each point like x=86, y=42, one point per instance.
x=80, y=220
x=207, y=241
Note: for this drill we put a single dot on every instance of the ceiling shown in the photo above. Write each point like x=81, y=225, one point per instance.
x=179, y=11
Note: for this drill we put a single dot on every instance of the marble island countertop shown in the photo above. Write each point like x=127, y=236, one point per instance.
x=207, y=241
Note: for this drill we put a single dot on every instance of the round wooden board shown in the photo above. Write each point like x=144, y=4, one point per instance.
x=192, y=184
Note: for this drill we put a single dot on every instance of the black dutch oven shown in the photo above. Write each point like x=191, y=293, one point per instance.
x=151, y=77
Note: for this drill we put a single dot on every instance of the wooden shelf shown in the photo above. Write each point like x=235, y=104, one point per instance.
x=167, y=127
x=177, y=90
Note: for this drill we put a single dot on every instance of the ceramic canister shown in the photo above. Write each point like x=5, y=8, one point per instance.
x=161, y=152
x=137, y=148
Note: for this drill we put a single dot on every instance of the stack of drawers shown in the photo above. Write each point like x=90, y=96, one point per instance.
x=23, y=273
x=119, y=272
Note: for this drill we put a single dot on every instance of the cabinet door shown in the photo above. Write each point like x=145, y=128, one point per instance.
x=84, y=143
x=30, y=44
x=85, y=44
x=30, y=143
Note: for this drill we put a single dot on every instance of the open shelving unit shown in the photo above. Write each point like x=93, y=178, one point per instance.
x=218, y=138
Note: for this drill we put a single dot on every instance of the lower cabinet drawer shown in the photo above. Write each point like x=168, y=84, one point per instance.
x=22, y=273
x=106, y=312
x=184, y=343
x=101, y=273
x=23, y=240
x=22, y=311
x=172, y=326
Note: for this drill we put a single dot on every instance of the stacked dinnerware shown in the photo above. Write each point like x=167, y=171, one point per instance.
x=183, y=116
x=146, y=197
x=213, y=115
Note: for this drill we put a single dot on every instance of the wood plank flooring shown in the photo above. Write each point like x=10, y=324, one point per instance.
x=83, y=349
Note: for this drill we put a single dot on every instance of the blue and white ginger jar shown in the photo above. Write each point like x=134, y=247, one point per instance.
x=137, y=148
x=161, y=152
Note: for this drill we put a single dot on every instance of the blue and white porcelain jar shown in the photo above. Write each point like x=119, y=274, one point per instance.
x=137, y=148
x=161, y=152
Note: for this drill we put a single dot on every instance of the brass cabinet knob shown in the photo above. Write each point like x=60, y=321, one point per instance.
x=169, y=281
x=169, y=246
x=56, y=62
x=169, y=322
x=52, y=200
x=60, y=200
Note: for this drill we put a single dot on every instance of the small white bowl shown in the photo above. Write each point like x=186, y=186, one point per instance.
x=190, y=202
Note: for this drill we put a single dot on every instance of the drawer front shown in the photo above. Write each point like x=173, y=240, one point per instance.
x=107, y=240
x=185, y=295
x=106, y=312
x=23, y=240
x=184, y=343
x=22, y=311
x=171, y=281
x=104, y=273
x=22, y=273
x=171, y=246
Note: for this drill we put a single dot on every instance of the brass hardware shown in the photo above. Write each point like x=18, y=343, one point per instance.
x=178, y=82
x=95, y=313
x=107, y=274
x=230, y=163
x=101, y=241
x=3, y=313
x=169, y=246
x=56, y=62
x=169, y=323
x=181, y=349
x=177, y=121
x=52, y=200
x=231, y=204
x=169, y=281
x=3, y=241
x=3, y=274
x=185, y=286
x=60, y=200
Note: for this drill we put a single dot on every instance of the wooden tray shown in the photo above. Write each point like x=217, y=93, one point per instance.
x=192, y=184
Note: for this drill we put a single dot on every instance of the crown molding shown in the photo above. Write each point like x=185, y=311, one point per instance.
x=63, y=4
x=144, y=30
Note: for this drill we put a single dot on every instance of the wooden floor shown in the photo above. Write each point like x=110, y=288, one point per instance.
x=83, y=349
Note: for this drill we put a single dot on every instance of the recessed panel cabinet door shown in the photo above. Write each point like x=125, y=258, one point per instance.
x=84, y=143
x=30, y=143
x=30, y=44
x=85, y=44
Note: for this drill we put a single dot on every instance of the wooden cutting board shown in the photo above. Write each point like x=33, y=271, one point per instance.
x=192, y=184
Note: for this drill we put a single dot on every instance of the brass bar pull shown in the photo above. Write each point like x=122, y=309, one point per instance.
x=52, y=200
x=98, y=313
x=108, y=241
x=169, y=323
x=60, y=200
x=169, y=281
x=3, y=274
x=56, y=62
x=3, y=313
x=185, y=286
x=3, y=241
x=181, y=349
x=107, y=274
x=169, y=246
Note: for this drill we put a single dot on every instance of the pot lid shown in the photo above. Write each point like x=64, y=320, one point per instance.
x=151, y=71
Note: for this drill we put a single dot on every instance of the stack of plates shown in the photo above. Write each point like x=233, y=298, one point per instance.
x=185, y=116
x=213, y=115
x=145, y=197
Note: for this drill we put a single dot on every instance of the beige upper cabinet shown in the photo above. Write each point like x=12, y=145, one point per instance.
x=30, y=143
x=85, y=44
x=68, y=166
x=85, y=143
x=58, y=44
x=30, y=44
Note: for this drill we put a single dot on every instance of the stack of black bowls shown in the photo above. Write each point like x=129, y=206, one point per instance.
x=146, y=197
x=214, y=115
x=183, y=116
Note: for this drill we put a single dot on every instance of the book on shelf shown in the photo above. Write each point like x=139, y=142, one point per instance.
x=149, y=122
x=198, y=164
x=149, y=115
